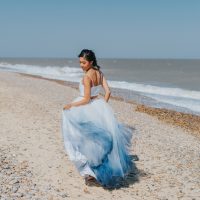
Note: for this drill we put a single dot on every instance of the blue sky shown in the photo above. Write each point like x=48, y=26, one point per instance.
x=112, y=28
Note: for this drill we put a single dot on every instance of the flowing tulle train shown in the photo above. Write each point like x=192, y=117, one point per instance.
x=96, y=142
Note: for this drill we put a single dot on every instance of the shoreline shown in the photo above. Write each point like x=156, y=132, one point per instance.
x=73, y=85
x=189, y=122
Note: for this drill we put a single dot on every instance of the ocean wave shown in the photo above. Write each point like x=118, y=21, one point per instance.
x=151, y=89
x=54, y=72
x=175, y=96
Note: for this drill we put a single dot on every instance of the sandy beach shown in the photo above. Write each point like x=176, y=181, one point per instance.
x=34, y=165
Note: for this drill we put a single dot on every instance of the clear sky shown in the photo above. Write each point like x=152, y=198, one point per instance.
x=112, y=28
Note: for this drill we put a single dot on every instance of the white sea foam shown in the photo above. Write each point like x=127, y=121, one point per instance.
x=150, y=89
x=53, y=72
x=175, y=96
x=189, y=103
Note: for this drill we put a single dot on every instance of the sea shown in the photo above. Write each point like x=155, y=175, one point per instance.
x=162, y=83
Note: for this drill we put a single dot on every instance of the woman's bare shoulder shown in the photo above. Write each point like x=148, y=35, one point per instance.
x=86, y=79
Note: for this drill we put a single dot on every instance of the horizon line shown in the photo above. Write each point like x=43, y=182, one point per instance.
x=52, y=57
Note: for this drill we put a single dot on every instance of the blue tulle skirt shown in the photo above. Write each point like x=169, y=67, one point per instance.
x=96, y=143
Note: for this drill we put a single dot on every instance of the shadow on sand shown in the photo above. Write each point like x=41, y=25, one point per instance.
x=125, y=182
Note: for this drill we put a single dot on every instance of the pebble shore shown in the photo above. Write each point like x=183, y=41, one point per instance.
x=34, y=165
x=189, y=122
x=15, y=177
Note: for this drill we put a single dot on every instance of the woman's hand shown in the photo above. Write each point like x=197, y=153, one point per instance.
x=67, y=107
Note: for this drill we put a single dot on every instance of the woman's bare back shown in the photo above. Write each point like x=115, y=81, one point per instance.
x=97, y=78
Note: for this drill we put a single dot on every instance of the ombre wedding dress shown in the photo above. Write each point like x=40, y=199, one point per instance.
x=95, y=141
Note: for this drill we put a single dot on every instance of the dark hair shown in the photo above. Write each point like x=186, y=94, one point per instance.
x=89, y=55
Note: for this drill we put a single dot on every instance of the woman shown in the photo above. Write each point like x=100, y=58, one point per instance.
x=96, y=143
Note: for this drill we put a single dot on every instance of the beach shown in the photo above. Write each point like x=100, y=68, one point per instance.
x=34, y=165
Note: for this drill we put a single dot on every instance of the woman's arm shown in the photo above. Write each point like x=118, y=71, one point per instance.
x=106, y=89
x=86, y=98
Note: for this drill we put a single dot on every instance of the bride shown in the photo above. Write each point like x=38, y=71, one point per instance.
x=94, y=140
